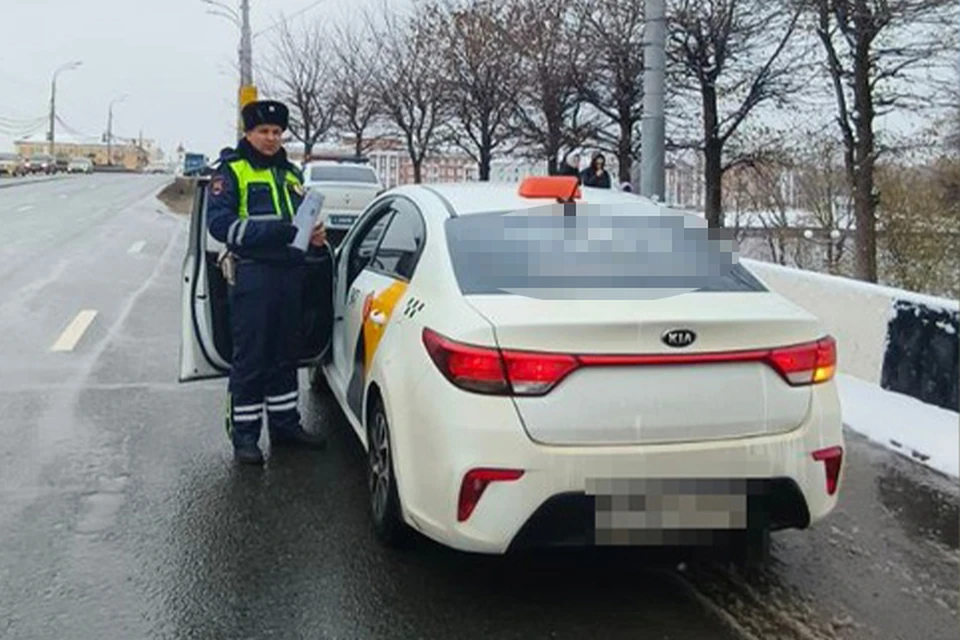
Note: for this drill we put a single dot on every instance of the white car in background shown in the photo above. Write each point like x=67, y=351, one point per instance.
x=347, y=186
x=80, y=165
x=509, y=394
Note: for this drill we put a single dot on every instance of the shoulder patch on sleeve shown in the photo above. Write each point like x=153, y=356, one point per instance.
x=218, y=185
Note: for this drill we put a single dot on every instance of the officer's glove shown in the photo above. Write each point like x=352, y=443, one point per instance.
x=228, y=266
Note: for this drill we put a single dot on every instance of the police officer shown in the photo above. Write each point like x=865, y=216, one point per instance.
x=253, y=197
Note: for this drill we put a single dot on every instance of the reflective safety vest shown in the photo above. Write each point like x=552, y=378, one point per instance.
x=253, y=185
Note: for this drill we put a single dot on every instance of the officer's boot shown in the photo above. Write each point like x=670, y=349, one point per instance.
x=248, y=453
x=245, y=448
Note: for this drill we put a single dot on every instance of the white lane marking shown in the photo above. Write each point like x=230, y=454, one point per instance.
x=25, y=207
x=72, y=334
x=63, y=196
x=137, y=247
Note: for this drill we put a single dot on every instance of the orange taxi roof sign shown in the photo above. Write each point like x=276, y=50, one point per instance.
x=563, y=188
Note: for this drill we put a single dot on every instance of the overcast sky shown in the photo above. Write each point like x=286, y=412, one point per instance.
x=176, y=63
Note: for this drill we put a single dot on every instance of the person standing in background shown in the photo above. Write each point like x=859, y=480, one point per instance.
x=596, y=174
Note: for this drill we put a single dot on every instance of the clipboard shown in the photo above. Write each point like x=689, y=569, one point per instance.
x=309, y=216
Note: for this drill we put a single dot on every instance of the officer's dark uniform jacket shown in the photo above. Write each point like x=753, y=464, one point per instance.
x=252, y=201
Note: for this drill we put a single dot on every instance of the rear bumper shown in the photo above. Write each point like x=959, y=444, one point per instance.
x=550, y=504
x=570, y=519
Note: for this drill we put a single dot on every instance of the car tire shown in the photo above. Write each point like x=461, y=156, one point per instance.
x=385, y=511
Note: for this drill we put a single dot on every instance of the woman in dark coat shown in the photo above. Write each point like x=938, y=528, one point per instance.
x=596, y=175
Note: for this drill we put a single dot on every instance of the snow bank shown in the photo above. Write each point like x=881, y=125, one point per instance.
x=851, y=286
x=920, y=431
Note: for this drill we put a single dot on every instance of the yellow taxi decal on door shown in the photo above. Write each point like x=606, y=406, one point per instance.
x=381, y=306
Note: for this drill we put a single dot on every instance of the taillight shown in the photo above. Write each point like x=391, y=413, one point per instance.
x=832, y=459
x=488, y=370
x=807, y=363
x=472, y=368
x=475, y=482
x=536, y=373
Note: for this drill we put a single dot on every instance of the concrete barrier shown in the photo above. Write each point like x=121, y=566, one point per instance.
x=902, y=341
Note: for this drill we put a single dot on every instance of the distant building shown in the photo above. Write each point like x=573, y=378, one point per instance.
x=133, y=156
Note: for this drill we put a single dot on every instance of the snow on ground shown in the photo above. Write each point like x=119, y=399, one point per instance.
x=915, y=429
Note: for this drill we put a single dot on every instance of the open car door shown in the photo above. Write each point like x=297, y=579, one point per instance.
x=206, y=344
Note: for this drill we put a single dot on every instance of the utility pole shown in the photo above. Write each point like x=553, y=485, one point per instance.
x=53, y=112
x=110, y=137
x=53, y=102
x=246, y=45
x=241, y=19
x=653, y=128
x=110, y=129
x=248, y=91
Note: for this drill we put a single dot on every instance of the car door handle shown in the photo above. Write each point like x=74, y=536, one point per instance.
x=378, y=318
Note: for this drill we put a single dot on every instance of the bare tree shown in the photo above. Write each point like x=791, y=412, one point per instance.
x=547, y=41
x=876, y=52
x=358, y=104
x=300, y=74
x=612, y=78
x=412, y=88
x=730, y=57
x=483, y=75
x=823, y=193
x=770, y=204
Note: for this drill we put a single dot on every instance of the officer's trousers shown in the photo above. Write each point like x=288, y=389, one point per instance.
x=265, y=309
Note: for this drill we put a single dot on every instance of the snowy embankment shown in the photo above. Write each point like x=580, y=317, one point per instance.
x=898, y=360
x=921, y=431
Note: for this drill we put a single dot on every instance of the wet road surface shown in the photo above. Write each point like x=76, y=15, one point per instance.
x=122, y=515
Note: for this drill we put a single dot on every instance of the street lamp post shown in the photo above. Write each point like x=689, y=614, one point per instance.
x=834, y=234
x=53, y=100
x=110, y=128
x=829, y=243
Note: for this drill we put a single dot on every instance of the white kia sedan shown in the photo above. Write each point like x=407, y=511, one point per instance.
x=525, y=368
x=347, y=186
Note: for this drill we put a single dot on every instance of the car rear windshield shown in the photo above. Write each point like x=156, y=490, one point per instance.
x=600, y=252
x=338, y=173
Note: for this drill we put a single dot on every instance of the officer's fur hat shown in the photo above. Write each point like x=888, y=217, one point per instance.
x=265, y=112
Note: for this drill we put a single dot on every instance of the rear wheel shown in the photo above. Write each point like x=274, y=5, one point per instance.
x=385, y=511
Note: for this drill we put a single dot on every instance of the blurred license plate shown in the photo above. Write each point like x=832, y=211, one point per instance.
x=341, y=221
x=636, y=510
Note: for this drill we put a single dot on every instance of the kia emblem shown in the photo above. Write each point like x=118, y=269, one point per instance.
x=678, y=338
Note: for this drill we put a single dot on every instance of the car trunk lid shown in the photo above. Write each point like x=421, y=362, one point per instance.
x=631, y=386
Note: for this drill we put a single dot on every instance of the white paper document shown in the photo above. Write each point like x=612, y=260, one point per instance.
x=308, y=217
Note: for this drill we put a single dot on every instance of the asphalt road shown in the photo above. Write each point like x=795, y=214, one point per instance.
x=122, y=515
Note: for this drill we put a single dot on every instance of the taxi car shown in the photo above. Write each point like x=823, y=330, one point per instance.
x=551, y=365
